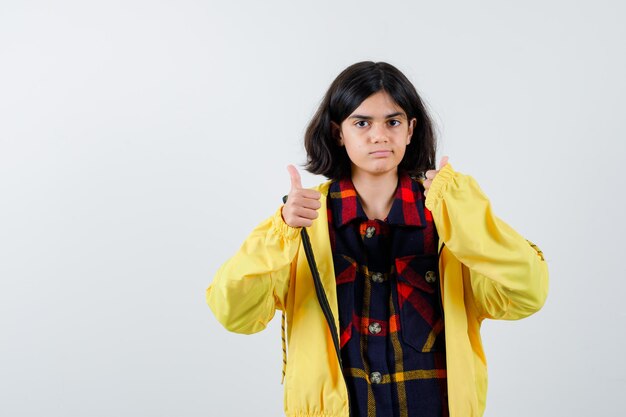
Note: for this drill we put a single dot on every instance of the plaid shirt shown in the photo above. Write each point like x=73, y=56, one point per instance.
x=390, y=314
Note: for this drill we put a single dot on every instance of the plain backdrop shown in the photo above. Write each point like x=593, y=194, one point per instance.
x=141, y=141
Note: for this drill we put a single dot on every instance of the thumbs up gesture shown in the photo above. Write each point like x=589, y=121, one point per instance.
x=301, y=207
x=431, y=174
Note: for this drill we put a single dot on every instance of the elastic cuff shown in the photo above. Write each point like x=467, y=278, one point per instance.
x=443, y=178
x=282, y=228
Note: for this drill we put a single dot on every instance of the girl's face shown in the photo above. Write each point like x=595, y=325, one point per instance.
x=376, y=135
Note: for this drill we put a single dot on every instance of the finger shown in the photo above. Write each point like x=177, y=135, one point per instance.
x=305, y=213
x=296, y=183
x=309, y=203
x=303, y=223
x=443, y=162
x=430, y=174
x=311, y=194
x=295, y=221
x=296, y=199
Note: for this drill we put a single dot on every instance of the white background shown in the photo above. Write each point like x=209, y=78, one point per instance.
x=140, y=142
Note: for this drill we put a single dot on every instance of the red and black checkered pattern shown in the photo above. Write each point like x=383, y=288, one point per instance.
x=391, y=320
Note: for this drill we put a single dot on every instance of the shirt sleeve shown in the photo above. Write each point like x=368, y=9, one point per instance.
x=508, y=274
x=249, y=287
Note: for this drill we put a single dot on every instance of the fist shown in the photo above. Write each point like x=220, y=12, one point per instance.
x=431, y=174
x=302, y=204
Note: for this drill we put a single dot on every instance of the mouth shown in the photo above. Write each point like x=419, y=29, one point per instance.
x=381, y=153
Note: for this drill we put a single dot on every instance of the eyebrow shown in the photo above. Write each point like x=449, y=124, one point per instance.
x=389, y=116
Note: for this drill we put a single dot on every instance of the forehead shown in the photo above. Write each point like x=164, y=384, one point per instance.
x=378, y=104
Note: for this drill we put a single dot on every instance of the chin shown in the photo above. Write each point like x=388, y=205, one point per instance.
x=384, y=170
x=380, y=168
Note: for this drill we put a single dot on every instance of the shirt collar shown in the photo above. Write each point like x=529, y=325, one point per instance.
x=407, y=208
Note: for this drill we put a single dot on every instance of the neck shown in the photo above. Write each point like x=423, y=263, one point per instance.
x=376, y=193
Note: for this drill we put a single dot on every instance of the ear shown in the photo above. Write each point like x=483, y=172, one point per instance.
x=411, y=127
x=336, y=132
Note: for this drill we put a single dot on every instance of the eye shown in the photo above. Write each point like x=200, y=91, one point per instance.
x=361, y=123
x=394, y=123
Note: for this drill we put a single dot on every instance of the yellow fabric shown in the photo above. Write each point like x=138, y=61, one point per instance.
x=487, y=270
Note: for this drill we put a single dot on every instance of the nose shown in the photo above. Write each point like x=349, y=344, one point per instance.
x=378, y=134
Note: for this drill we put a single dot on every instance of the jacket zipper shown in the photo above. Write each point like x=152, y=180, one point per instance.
x=440, y=284
x=319, y=290
x=321, y=294
x=323, y=301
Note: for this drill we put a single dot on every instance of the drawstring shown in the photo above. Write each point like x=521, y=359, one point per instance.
x=282, y=326
x=284, y=340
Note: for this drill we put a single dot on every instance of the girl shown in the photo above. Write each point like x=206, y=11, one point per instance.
x=384, y=278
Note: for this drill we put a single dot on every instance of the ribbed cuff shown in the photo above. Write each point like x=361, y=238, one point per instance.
x=283, y=229
x=438, y=186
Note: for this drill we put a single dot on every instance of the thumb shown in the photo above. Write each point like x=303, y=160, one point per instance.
x=295, y=177
x=443, y=162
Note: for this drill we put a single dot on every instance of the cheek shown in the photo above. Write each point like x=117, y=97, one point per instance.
x=353, y=145
x=400, y=152
x=353, y=151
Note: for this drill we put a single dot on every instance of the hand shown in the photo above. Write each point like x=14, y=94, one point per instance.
x=431, y=174
x=301, y=207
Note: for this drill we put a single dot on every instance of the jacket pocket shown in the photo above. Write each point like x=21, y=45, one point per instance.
x=345, y=276
x=421, y=321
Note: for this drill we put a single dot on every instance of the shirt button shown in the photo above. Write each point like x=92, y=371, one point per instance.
x=377, y=277
x=431, y=277
x=370, y=231
x=376, y=378
x=375, y=328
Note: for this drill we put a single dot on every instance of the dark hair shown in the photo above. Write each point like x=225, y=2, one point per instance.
x=356, y=83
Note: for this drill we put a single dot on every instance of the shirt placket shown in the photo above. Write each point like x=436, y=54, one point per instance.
x=375, y=314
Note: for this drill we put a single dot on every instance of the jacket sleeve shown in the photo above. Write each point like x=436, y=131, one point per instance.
x=251, y=285
x=508, y=274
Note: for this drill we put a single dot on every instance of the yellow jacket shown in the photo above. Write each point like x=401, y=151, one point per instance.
x=487, y=270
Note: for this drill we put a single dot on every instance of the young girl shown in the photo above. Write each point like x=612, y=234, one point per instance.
x=384, y=278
